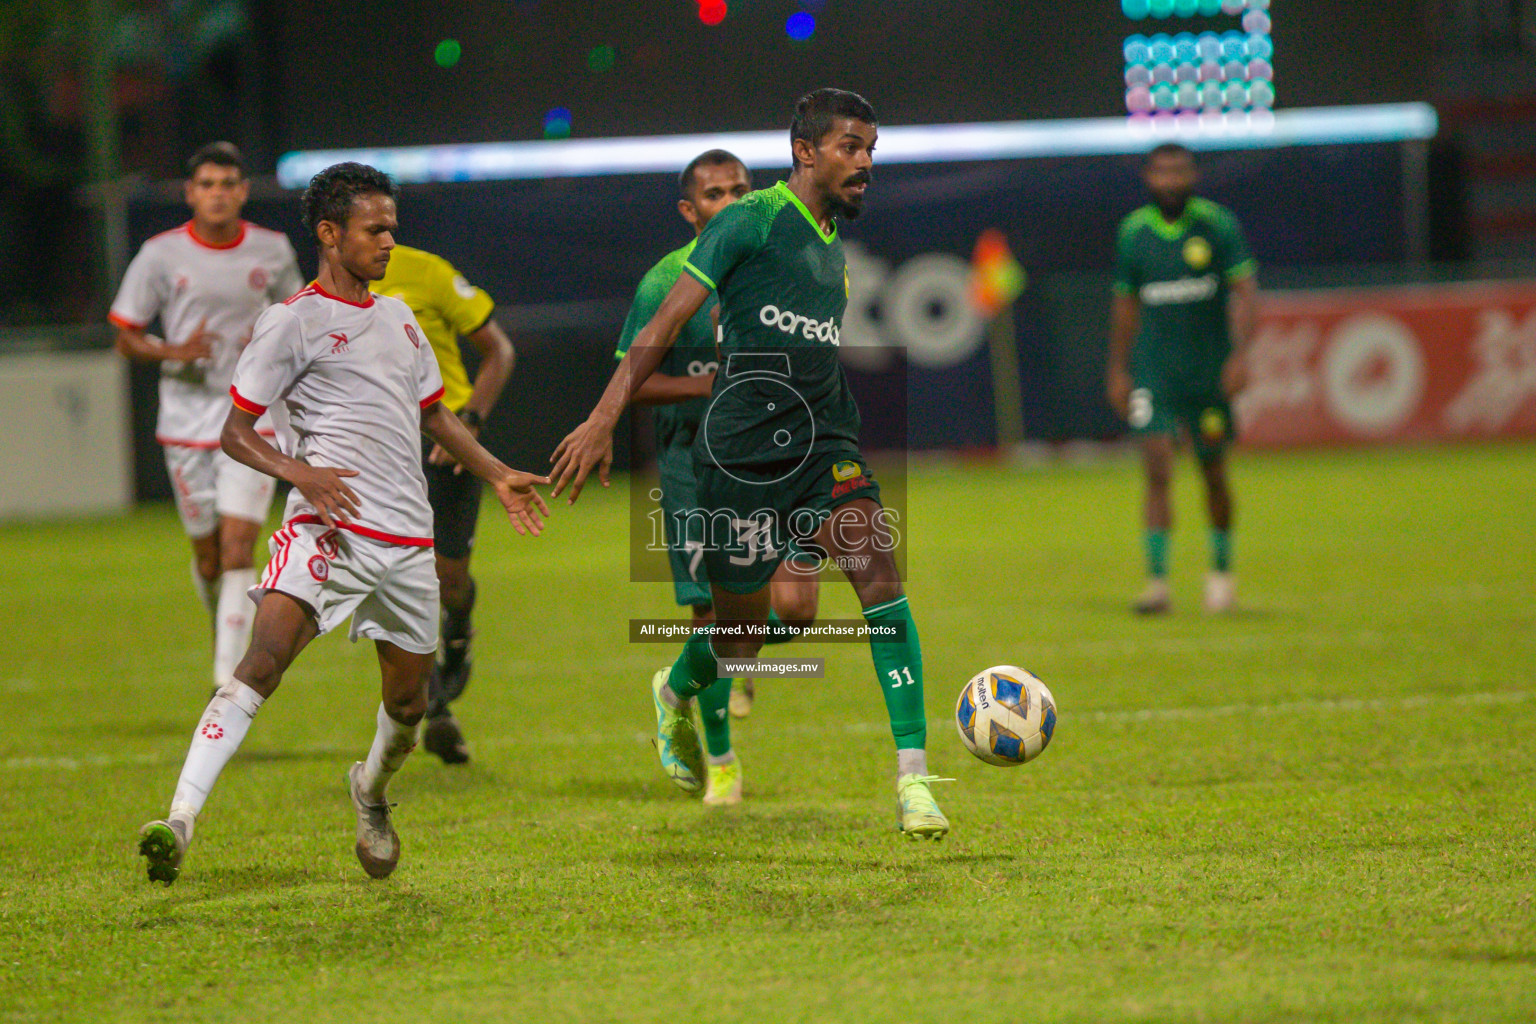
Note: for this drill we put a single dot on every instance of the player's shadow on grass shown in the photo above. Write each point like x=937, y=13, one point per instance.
x=610, y=789
x=306, y=754
x=217, y=884
x=1188, y=610
x=1490, y=956
x=456, y=780
x=152, y=728
x=932, y=855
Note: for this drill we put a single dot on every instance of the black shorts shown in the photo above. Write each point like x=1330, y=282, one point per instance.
x=455, y=501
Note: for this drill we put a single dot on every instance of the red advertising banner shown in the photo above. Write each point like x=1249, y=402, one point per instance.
x=1420, y=363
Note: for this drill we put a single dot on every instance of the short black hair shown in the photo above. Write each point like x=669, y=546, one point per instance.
x=709, y=158
x=330, y=193
x=1170, y=149
x=222, y=153
x=816, y=111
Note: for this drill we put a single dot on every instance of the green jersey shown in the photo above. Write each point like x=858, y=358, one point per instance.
x=780, y=394
x=691, y=355
x=1180, y=272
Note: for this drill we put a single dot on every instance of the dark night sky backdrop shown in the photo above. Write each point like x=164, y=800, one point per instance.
x=363, y=74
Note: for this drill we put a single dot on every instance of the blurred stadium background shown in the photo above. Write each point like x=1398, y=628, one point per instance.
x=1387, y=148
x=1317, y=809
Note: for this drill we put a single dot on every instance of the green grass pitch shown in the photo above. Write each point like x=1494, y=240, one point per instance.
x=1318, y=809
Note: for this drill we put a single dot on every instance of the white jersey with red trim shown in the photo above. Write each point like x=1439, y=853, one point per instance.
x=188, y=283
x=353, y=379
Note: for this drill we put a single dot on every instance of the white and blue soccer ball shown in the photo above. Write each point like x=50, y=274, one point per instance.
x=1005, y=715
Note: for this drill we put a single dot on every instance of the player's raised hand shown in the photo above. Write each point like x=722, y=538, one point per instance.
x=335, y=503
x=525, y=506
x=587, y=447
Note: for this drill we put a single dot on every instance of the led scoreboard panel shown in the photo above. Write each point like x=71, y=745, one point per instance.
x=1219, y=74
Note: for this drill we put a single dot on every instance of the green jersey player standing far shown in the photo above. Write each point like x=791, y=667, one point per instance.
x=679, y=391
x=1186, y=295
x=776, y=457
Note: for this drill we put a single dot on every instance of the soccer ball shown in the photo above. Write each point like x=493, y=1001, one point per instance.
x=1005, y=716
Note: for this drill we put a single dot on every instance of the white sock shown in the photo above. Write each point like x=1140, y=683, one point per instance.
x=207, y=590
x=391, y=744
x=670, y=698
x=232, y=623
x=719, y=759
x=911, y=761
x=219, y=733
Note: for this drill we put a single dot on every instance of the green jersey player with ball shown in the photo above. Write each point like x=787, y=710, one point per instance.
x=776, y=459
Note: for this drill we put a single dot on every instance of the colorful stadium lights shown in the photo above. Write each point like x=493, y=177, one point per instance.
x=601, y=58
x=447, y=53
x=1137, y=10
x=1008, y=140
x=712, y=12
x=1175, y=69
x=557, y=123
x=800, y=26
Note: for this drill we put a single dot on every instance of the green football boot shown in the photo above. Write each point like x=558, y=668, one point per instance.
x=677, y=741
x=724, y=787
x=162, y=844
x=919, y=816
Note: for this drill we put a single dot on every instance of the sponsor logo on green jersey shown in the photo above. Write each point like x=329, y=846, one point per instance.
x=790, y=322
x=1180, y=292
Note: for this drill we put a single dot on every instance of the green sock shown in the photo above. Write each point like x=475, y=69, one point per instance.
x=714, y=704
x=778, y=633
x=1157, y=552
x=694, y=669
x=1221, y=549
x=899, y=668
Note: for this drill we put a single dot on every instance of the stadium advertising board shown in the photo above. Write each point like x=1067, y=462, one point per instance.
x=1422, y=363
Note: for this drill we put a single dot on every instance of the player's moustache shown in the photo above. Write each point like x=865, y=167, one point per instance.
x=861, y=178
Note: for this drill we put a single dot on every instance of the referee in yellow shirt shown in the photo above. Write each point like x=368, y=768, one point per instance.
x=448, y=307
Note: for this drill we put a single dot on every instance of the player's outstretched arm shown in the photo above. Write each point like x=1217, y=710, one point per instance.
x=590, y=445
x=497, y=359
x=1124, y=321
x=140, y=347
x=664, y=389
x=335, y=503
x=513, y=488
x=1242, y=322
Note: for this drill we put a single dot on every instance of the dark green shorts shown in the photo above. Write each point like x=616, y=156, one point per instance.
x=1204, y=415
x=684, y=533
x=758, y=515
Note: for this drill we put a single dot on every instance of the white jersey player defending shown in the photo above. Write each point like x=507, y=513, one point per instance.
x=207, y=282
x=360, y=385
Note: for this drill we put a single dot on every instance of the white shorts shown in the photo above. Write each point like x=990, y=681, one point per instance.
x=209, y=484
x=390, y=590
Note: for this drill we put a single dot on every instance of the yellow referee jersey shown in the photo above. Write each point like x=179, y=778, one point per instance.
x=446, y=306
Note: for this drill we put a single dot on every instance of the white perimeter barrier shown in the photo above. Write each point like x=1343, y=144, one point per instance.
x=64, y=420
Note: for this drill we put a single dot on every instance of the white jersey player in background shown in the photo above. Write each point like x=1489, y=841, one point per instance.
x=360, y=385
x=207, y=282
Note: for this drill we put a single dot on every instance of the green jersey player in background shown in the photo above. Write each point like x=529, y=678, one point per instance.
x=777, y=456
x=1184, y=309
x=679, y=392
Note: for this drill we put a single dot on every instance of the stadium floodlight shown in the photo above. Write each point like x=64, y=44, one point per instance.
x=933, y=143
